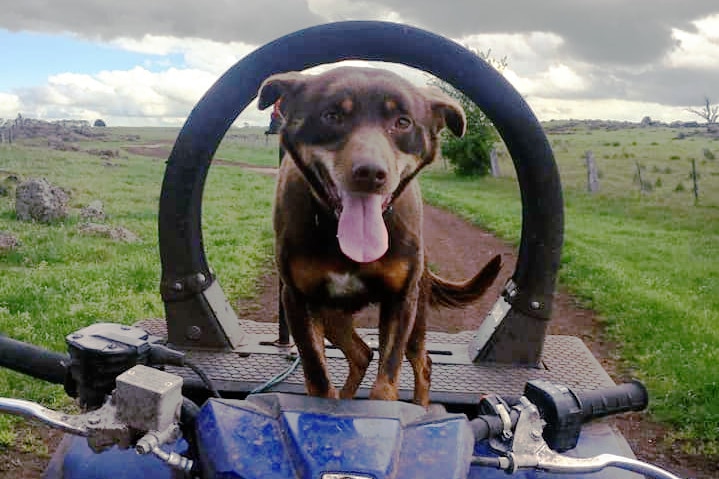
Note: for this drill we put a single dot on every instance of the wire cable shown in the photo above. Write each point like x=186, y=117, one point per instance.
x=278, y=378
x=204, y=377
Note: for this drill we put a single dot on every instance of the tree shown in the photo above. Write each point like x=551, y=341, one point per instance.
x=708, y=112
x=470, y=155
x=99, y=123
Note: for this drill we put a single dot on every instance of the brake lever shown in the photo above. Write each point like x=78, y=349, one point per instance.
x=100, y=426
x=527, y=449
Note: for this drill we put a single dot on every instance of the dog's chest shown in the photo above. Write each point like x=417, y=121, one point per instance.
x=343, y=285
x=325, y=278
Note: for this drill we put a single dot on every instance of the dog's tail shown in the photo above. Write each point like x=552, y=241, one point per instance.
x=459, y=294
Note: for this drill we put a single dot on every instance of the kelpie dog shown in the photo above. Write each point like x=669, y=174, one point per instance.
x=348, y=220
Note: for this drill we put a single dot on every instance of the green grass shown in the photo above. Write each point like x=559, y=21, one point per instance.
x=649, y=266
x=59, y=280
x=250, y=146
x=664, y=159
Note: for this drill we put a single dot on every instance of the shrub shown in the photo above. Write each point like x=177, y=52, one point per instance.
x=470, y=155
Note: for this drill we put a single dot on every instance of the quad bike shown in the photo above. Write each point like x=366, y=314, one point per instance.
x=507, y=398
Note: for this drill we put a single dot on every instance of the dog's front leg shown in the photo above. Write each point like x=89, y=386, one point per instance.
x=308, y=333
x=417, y=352
x=395, y=326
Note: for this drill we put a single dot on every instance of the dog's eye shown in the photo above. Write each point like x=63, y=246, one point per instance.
x=402, y=123
x=332, y=117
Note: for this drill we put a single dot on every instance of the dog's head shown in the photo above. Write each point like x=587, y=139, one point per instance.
x=359, y=135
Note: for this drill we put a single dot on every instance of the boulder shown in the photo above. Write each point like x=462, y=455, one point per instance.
x=38, y=200
x=117, y=233
x=8, y=242
x=95, y=211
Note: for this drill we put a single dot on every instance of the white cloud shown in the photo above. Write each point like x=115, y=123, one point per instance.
x=523, y=51
x=557, y=79
x=9, y=106
x=620, y=110
x=198, y=53
x=137, y=96
x=698, y=50
x=565, y=78
x=338, y=10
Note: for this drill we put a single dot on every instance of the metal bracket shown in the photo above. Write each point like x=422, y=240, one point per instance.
x=203, y=320
x=510, y=333
x=489, y=326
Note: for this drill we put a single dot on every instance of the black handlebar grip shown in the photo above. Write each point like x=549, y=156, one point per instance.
x=625, y=397
x=565, y=410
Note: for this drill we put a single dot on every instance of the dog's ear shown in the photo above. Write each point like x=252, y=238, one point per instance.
x=447, y=111
x=278, y=86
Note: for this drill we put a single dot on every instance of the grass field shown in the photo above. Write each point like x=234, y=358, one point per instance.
x=59, y=280
x=646, y=261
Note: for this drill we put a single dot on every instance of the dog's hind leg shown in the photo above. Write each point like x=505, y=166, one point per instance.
x=308, y=333
x=341, y=333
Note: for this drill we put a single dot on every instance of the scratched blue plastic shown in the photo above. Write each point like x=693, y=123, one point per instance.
x=307, y=437
x=75, y=460
x=280, y=436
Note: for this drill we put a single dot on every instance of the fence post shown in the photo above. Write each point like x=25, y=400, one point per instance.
x=494, y=163
x=639, y=177
x=695, y=179
x=592, y=172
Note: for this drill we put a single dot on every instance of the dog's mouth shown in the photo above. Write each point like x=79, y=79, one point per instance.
x=361, y=230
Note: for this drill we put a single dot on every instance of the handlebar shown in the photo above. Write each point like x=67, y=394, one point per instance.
x=33, y=360
x=548, y=419
x=565, y=410
x=625, y=397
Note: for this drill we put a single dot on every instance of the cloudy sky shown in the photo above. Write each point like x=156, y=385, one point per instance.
x=147, y=62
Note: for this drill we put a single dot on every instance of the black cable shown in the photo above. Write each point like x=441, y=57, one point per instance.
x=204, y=377
x=160, y=354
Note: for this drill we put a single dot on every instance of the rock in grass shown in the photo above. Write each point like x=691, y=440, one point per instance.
x=8, y=242
x=36, y=199
x=116, y=233
x=95, y=211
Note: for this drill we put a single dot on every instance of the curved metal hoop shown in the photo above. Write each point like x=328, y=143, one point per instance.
x=184, y=266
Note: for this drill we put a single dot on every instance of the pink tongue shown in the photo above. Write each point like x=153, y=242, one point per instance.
x=361, y=232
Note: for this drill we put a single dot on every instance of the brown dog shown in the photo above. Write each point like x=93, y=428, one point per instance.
x=348, y=220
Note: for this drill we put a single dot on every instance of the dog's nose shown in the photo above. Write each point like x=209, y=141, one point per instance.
x=369, y=177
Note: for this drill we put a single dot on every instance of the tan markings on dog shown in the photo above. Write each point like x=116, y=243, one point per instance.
x=390, y=106
x=347, y=105
x=307, y=274
x=394, y=272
